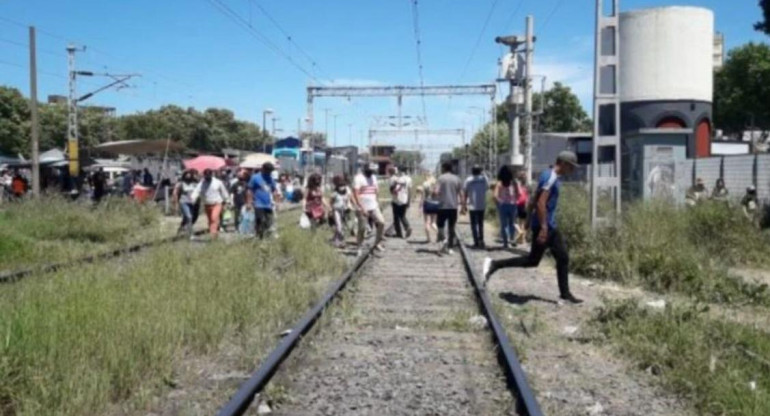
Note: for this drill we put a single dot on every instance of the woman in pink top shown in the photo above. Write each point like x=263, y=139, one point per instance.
x=521, y=208
x=315, y=206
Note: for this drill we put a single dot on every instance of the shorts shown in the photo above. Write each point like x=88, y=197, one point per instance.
x=430, y=208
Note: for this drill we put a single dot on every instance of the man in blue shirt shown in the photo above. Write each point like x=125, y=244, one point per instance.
x=261, y=194
x=544, y=232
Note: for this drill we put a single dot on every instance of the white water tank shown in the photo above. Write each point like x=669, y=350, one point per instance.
x=667, y=54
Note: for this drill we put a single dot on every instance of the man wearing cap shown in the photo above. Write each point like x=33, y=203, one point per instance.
x=544, y=231
x=261, y=194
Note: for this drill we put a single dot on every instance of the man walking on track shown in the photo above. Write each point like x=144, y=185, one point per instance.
x=400, y=190
x=261, y=194
x=545, y=234
x=476, y=187
x=368, y=206
x=449, y=193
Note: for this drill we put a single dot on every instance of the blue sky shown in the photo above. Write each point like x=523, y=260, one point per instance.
x=189, y=53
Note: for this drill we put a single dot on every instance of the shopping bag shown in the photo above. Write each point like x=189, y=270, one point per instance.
x=304, y=222
x=247, y=221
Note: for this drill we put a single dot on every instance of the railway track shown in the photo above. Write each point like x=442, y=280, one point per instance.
x=11, y=276
x=405, y=348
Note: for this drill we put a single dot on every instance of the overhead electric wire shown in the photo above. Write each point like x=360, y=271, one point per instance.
x=547, y=20
x=244, y=23
x=513, y=15
x=418, y=40
x=289, y=37
x=67, y=40
x=479, y=39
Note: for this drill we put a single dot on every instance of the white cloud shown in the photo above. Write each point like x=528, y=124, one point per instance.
x=578, y=75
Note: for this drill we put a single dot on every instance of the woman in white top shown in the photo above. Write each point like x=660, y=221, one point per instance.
x=183, y=192
x=214, y=194
x=340, y=202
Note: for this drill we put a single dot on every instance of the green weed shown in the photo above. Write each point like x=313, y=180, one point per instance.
x=665, y=248
x=56, y=229
x=721, y=367
x=73, y=342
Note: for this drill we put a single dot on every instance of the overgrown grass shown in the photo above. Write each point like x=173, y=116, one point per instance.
x=721, y=367
x=76, y=341
x=55, y=229
x=666, y=248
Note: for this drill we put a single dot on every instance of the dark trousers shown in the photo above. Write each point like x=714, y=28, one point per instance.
x=477, y=227
x=399, y=219
x=447, y=217
x=555, y=243
x=263, y=221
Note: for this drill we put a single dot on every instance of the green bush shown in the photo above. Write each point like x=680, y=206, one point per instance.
x=711, y=363
x=666, y=248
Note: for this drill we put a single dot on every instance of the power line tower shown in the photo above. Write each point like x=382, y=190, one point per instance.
x=118, y=81
x=605, y=174
x=516, y=69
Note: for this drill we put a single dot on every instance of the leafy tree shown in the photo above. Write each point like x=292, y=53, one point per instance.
x=562, y=111
x=764, y=25
x=14, y=122
x=742, y=88
x=211, y=130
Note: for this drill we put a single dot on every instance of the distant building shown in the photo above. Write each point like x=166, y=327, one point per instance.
x=382, y=156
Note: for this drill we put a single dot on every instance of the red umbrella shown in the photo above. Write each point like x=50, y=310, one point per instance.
x=202, y=163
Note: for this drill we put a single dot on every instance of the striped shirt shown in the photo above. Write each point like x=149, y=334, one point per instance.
x=367, y=191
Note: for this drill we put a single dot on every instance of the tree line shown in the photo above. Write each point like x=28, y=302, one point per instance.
x=206, y=131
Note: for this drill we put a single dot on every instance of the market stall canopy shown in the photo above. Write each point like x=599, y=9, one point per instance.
x=202, y=163
x=52, y=157
x=256, y=160
x=9, y=160
x=139, y=147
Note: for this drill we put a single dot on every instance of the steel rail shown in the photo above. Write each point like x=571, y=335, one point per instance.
x=242, y=399
x=526, y=403
x=11, y=276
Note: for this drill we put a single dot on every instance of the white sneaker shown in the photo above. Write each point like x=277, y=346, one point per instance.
x=450, y=252
x=379, y=247
x=486, y=269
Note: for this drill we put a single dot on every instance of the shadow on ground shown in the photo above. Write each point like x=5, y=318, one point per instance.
x=515, y=299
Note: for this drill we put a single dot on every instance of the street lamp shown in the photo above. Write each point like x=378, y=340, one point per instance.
x=264, y=126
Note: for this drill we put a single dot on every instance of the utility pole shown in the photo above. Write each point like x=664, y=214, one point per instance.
x=606, y=110
x=274, y=130
x=516, y=70
x=528, y=95
x=35, y=121
x=326, y=125
x=265, y=112
x=335, y=130
x=118, y=81
x=72, y=117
